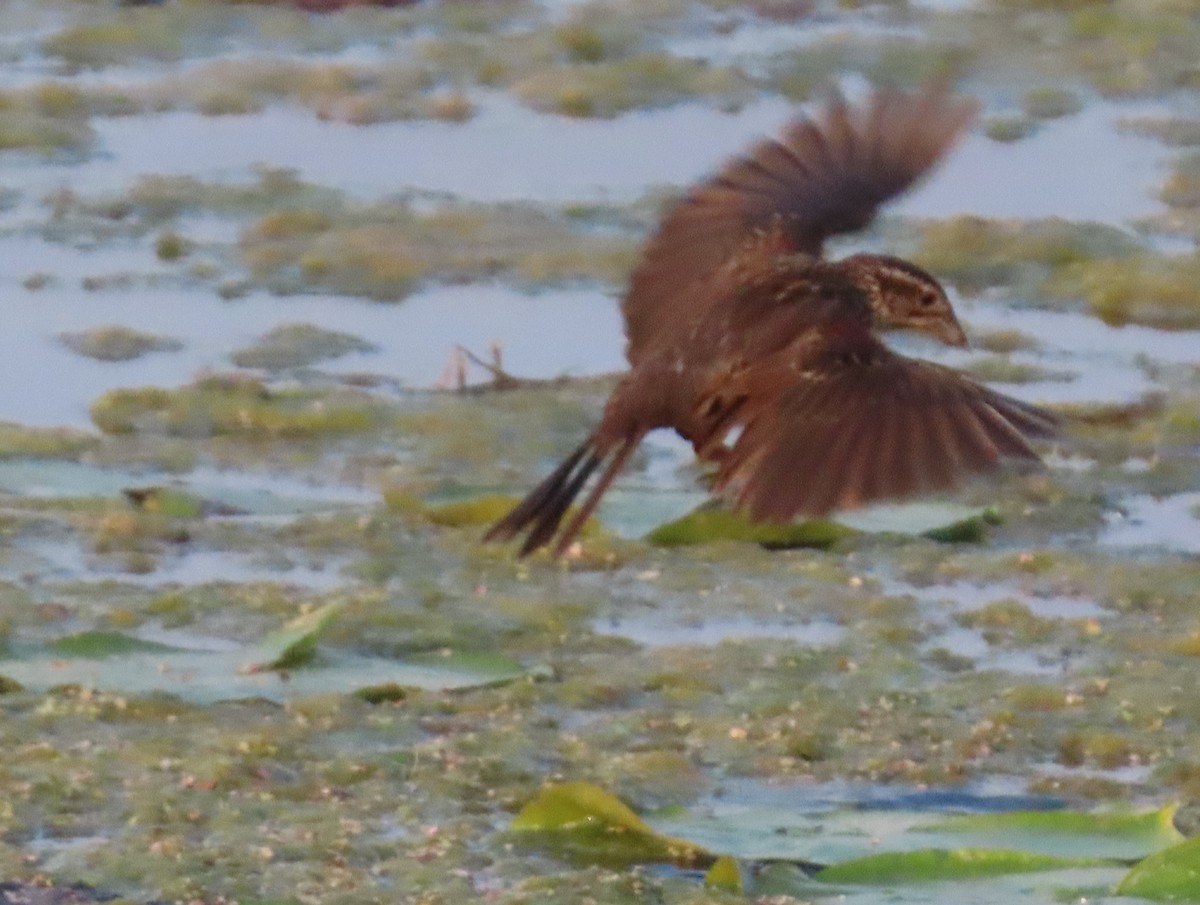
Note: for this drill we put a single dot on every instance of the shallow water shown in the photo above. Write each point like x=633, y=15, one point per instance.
x=965, y=596
x=655, y=632
x=508, y=152
x=735, y=650
x=547, y=334
x=1166, y=523
x=187, y=568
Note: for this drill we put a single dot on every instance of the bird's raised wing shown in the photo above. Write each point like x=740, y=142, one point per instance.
x=845, y=421
x=822, y=177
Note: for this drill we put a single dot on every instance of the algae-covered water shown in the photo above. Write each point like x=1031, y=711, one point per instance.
x=251, y=647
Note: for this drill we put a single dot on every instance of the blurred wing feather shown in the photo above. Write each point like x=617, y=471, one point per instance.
x=847, y=422
x=822, y=177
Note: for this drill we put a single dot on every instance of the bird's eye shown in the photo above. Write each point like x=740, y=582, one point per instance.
x=928, y=299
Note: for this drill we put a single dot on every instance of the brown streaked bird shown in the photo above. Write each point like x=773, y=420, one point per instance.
x=767, y=357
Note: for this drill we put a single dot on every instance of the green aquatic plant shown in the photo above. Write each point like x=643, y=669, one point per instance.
x=26, y=130
x=930, y=865
x=233, y=406
x=975, y=253
x=385, y=251
x=19, y=441
x=580, y=821
x=652, y=80
x=1050, y=103
x=1172, y=875
x=1148, y=289
x=117, y=343
x=1009, y=128
x=298, y=346
x=710, y=523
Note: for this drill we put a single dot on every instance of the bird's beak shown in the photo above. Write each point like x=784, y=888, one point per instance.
x=952, y=334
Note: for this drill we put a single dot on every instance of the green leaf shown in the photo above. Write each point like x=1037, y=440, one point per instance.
x=97, y=645
x=725, y=874
x=569, y=805
x=1170, y=875
x=1067, y=833
x=709, y=523
x=296, y=643
x=970, y=530
x=584, y=824
x=925, y=865
x=479, y=511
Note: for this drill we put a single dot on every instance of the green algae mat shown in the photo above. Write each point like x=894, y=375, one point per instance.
x=296, y=303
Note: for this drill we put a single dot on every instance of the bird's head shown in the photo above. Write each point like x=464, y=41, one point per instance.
x=905, y=297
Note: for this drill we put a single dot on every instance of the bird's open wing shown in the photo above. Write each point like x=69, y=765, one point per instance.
x=845, y=421
x=824, y=176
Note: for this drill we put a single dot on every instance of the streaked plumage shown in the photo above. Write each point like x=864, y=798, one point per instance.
x=766, y=356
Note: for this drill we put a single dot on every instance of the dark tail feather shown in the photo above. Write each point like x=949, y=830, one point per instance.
x=542, y=511
x=525, y=511
x=624, y=451
x=546, y=521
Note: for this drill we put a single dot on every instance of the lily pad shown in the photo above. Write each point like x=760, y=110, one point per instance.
x=927, y=865
x=98, y=645
x=585, y=824
x=709, y=523
x=1170, y=875
x=938, y=521
x=206, y=676
x=725, y=874
x=1066, y=833
x=479, y=511
x=296, y=643
x=123, y=664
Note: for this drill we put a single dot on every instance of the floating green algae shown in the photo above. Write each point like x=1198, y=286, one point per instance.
x=298, y=346
x=974, y=253
x=233, y=406
x=384, y=251
x=605, y=89
x=1148, y=289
